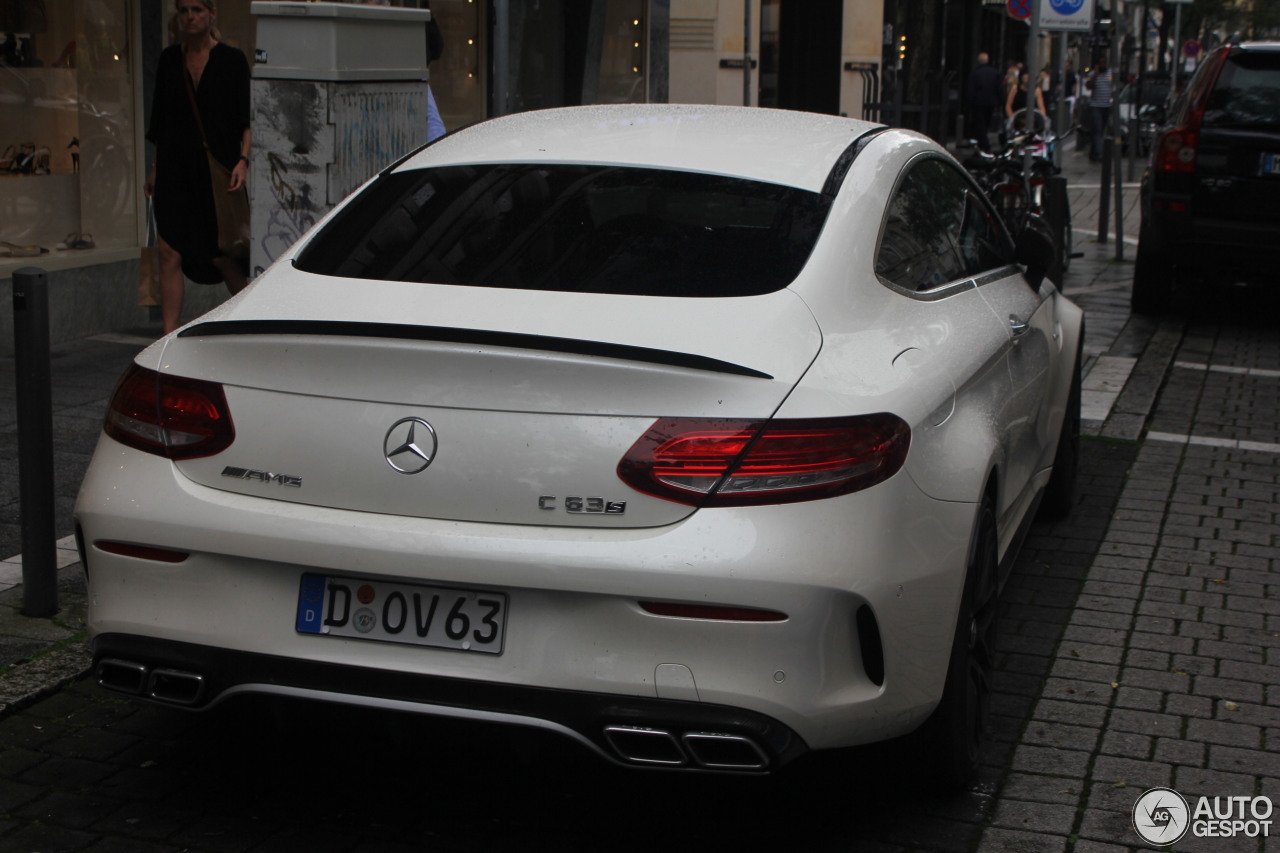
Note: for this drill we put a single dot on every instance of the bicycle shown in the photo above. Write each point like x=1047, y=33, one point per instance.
x=1041, y=191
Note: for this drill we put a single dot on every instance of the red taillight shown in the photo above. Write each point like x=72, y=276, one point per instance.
x=169, y=416
x=1176, y=150
x=743, y=463
x=711, y=611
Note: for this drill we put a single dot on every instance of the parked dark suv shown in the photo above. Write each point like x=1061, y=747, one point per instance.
x=1211, y=192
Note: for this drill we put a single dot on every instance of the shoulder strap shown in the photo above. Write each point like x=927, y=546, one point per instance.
x=191, y=95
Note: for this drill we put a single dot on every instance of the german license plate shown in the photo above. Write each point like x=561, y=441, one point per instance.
x=393, y=612
x=1271, y=164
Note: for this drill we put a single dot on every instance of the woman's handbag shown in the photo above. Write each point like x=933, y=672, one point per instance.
x=232, y=208
x=149, y=264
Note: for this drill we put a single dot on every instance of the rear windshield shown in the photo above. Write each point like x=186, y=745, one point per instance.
x=588, y=229
x=1247, y=93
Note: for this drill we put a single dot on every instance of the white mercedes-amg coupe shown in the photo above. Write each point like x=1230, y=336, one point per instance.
x=701, y=435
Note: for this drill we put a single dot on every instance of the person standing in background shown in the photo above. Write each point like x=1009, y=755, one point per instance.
x=982, y=94
x=1024, y=96
x=1069, y=91
x=216, y=75
x=1101, y=86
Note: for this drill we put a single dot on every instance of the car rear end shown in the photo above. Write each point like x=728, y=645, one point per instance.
x=416, y=469
x=1211, y=197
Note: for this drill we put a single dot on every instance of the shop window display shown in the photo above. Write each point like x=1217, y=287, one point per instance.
x=68, y=125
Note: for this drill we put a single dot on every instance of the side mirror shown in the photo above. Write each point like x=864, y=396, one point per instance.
x=1037, y=250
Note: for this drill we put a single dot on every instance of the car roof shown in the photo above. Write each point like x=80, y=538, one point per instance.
x=785, y=147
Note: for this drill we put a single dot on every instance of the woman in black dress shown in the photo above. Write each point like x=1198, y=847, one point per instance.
x=179, y=181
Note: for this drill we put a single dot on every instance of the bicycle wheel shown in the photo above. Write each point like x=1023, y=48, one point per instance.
x=1011, y=197
x=1057, y=210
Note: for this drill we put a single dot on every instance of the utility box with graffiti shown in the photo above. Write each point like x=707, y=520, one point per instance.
x=339, y=93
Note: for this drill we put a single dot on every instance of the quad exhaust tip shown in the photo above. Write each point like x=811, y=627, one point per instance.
x=171, y=686
x=633, y=744
x=704, y=750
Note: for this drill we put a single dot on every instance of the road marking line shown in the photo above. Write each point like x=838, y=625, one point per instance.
x=1206, y=441
x=1258, y=372
x=1129, y=241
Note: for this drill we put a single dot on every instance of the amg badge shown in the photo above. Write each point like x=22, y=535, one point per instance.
x=262, y=476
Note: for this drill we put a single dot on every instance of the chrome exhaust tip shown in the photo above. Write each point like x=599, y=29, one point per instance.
x=175, y=687
x=646, y=746
x=724, y=752
x=122, y=675
x=697, y=750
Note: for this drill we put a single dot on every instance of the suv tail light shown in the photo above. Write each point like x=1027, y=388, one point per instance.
x=1176, y=150
x=708, y=463
x=169, y=416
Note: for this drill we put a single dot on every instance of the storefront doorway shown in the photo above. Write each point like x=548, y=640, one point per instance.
x=800, y=54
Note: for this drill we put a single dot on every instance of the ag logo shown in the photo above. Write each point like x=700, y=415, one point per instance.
x=1066, y=7
x=1161, y=817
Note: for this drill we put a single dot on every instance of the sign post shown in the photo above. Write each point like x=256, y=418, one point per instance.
x=1177, y=36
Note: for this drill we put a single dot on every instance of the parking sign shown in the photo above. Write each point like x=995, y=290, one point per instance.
x=1066, y=15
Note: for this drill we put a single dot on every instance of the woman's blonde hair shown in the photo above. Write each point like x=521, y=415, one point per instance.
x=175, y=29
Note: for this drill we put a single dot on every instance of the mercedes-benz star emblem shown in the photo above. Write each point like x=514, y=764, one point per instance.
x=410, y=445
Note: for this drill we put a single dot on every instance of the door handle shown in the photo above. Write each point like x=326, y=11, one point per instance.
x=1018, y=327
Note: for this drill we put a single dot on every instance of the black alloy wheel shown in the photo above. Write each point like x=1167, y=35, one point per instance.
x=951, y=740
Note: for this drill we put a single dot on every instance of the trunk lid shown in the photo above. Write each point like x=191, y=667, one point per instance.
x=524, y=402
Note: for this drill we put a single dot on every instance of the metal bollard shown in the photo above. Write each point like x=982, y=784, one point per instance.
x=1104, y=196
x=35, y=441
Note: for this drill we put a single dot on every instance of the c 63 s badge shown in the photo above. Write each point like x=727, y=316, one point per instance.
x=262, y=476
x=582, y=506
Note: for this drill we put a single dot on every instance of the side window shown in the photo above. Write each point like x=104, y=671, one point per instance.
x=922, y=242
x=984, y=243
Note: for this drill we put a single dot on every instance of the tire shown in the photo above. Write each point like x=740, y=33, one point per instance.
x=1153, y=277
x=950, y=742
x=1060, y=494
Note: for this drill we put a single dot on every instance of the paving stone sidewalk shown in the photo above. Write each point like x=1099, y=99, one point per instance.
x=1168, y=670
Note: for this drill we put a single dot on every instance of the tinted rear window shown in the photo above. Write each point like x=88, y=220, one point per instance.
x=589, y=229
x=1247, y=93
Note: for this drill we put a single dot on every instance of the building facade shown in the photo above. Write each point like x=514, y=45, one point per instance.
x=75, y=86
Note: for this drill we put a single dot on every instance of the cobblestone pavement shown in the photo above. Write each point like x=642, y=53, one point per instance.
x=1168, y=669
x=1140, y=648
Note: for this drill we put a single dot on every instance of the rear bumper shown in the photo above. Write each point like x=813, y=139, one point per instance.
x=869, y=582
x=1209, y=243
x=625, y=729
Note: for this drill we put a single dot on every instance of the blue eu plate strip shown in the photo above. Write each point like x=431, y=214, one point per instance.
x=311, y=604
